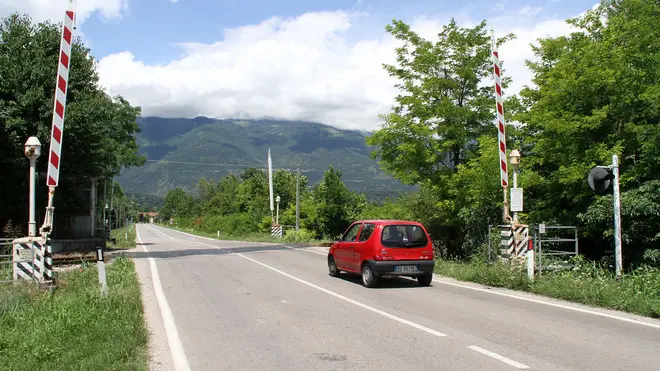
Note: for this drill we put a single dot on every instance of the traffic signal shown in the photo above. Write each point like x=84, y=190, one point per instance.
x=600, y=179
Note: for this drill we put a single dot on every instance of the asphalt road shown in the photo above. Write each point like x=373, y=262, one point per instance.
x=220, y=305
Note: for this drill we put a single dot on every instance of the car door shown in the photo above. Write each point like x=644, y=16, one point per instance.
x=344, y=251
x=363, y=249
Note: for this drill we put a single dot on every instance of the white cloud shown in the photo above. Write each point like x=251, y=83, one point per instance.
x=53, y=10
x=303, y=68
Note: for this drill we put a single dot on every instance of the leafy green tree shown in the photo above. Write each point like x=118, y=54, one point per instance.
x=640, y=209
x=336, y=205
x=253, y=193
x=284, y=185
x=177, y=204
x=597, y=93
x=99, y=130
x=443, y=106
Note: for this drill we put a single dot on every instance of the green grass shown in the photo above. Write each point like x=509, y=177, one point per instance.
x=637, y=292
x=124, y=236
x=75, y=328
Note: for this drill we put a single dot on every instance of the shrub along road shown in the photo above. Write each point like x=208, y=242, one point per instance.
x=239, y=305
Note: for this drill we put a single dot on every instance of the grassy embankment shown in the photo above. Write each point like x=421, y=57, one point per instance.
x=125, y=237
x=74, y=327
x=588, y=283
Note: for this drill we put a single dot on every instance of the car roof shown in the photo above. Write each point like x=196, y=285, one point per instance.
x=387, y=221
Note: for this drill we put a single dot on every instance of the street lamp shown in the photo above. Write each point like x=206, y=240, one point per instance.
x=277, y=216
x=32, y=152
x=514, y=159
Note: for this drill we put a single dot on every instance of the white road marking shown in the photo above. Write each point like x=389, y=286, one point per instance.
x=348, y=300
x=214, y=239
x=556, y=305
x=306, y=250
x=176, y=348
x=161, y=232
x=498, y=357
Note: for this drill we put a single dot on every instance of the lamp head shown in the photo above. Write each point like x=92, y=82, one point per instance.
x=32, y=148
x=514, y=157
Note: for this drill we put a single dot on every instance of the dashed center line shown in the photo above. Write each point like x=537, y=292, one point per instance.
x=498, y=357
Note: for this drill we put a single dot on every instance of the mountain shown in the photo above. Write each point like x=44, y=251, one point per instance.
x=181, y=151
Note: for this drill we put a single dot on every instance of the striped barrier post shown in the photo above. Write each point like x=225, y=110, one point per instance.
x=23, y=260
x=33, y=260
x=47, y=253
x=276, y=230
x=515, y=240
x=521, y=236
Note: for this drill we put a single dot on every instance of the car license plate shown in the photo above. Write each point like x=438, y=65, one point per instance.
x=405, y=268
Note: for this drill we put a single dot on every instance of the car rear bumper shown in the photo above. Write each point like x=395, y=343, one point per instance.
x=387, y=267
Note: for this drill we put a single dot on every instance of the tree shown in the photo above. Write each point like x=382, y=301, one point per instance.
x=177, y=204
x=253, y=194
x=597, y=93
x=443, y=107
x=446, y=105
x=336, y=205
x=99, y=130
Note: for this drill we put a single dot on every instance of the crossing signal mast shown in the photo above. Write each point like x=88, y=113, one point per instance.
x=600, y=178
x=57, y=131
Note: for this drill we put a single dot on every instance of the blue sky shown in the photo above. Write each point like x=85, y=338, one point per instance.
x=151, y=29
x=315, y=60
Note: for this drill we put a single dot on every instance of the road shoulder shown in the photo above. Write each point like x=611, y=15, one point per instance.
x=159, y=353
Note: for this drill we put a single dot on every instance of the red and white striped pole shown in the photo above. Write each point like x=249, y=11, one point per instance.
x=501, y=137
x=57, y=131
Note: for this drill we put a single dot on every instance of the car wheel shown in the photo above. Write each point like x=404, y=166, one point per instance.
x=369, y=279
x=332, y=267
x=425, y=279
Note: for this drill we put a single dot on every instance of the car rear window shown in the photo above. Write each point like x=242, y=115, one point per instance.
x=403, y=235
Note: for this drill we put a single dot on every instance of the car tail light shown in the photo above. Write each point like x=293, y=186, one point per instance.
x=426, y=255
x=382, y=257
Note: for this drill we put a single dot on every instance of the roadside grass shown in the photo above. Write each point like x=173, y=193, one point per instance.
x=637, y=292
x=75, y=328
x=124, y=236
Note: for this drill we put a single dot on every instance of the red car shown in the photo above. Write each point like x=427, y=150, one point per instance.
x=378, y=248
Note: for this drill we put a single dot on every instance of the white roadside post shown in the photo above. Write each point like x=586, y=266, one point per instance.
x=32, y=152
x=100, y=264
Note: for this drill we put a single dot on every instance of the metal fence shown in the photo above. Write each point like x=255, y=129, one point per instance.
x=554, y=240
x=548, y=240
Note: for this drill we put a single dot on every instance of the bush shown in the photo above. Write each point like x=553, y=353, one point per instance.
x=300, y=236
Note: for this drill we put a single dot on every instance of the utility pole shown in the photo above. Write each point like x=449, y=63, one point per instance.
x=617, y=216
x=112, y=196
x=599, y=179
x=298, y=200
